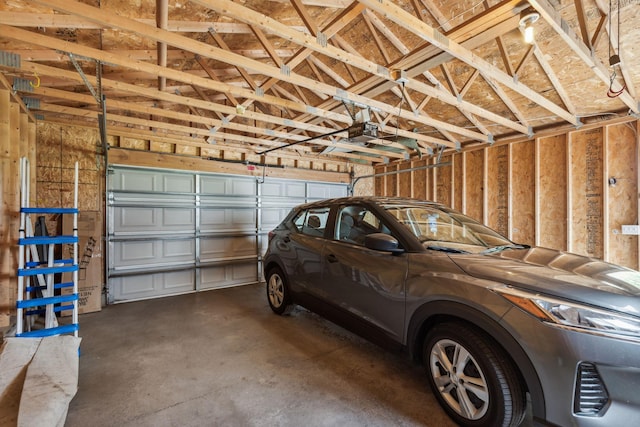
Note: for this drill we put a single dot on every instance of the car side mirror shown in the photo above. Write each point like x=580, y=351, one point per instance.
x=382, y=242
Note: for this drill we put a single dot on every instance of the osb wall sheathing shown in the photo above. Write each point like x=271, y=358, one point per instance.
x=497, y=190
x=529, y=189
x=552, y=192
x=586, y=198
x=622, y=193
x=473, y=184
x=522, y=179
x=444, y=183
x=420, y=180
x=404, y=180
x=17, y=139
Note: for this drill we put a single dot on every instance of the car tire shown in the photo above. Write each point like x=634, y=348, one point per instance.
x=278, y=292
x=473, y=379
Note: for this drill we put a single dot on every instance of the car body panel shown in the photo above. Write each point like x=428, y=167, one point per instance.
x=362, y=281
x=395, y=297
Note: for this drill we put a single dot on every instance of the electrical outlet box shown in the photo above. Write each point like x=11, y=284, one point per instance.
x=631, y=229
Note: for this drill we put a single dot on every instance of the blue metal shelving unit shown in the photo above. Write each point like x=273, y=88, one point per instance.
x=34, y=300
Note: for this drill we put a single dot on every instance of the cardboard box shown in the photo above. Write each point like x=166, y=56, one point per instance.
x=90, y=260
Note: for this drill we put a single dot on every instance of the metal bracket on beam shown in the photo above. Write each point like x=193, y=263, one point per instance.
x=31, y=102
x=578, y=123
x=530, y=132
x=9, y=59
x=321, y=38
x=21, y=85
x=86, y=81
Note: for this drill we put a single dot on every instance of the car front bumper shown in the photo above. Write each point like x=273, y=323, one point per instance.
x=560, y=356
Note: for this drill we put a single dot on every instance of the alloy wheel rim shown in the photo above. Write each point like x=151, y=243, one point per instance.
x=276, y=290
x=459, y=379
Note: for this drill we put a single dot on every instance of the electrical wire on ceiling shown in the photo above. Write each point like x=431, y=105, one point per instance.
x=614, y=60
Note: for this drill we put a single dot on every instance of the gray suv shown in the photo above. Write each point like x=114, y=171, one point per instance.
x=491, y=320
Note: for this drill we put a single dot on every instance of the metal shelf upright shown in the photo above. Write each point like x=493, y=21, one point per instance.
x=36, y=299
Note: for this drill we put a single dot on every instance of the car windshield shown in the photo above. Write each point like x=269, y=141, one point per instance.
x=442, y=229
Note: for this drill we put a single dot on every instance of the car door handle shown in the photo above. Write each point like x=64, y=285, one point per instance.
x=332, y=258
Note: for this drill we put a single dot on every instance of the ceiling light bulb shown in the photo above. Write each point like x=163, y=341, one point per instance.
x=528, y=34
x=527, y=19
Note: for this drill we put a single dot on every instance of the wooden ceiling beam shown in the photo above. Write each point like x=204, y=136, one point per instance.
x=4, y=82
x=582, y=23
x=560, y=26
x=428, y=33
x=42, y=40
x=304, y=15
x=56, y=20
x=481, y=29
x=169, y=97
x=219, y=54
x=186, y=131
x=251, y=17
x=615, y=42
x=344, y=18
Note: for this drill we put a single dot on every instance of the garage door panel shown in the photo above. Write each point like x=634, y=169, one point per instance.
x=326, y=191
x=178, y=183
x=271, y=217
x=228, y=275
x=229, y=219
x=152, y=253
x=174, y=232
x=227, y=185
x=152, y=285
x=152, y=180
x=219, y=248
x=136, y=220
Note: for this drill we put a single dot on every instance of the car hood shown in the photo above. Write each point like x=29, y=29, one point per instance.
x=558, y=273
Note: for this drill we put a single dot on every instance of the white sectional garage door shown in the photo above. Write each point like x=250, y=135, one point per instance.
x=173, y=232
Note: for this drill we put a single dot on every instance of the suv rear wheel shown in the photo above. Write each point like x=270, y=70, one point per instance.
x=475, y=383
x=278, y=292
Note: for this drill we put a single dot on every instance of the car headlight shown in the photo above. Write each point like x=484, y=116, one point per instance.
x=571, y=314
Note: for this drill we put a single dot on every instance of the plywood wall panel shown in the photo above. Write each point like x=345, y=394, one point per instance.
x=522, y=194
x=365, y=186
x=458, y=181
x=58, y=150
x=420, y=180
x=430, y=180
x=15, y=142
x=380, y=188
x=623, y=195
x=7, y=280
x=473, y=184
x=586, y=193
x=497, y=189
x=443, y=182
x=391, y=181
x=404, y=180
x=552, y=192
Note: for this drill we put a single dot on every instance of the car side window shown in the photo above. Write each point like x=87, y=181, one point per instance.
x=355, y=222
x=312, y=221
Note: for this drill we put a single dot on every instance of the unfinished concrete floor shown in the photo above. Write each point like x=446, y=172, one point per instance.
x=222, y=358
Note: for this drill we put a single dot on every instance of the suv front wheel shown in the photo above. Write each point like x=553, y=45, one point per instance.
x=475, y=383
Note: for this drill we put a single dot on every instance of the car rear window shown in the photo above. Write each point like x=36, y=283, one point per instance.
x=312, y=221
